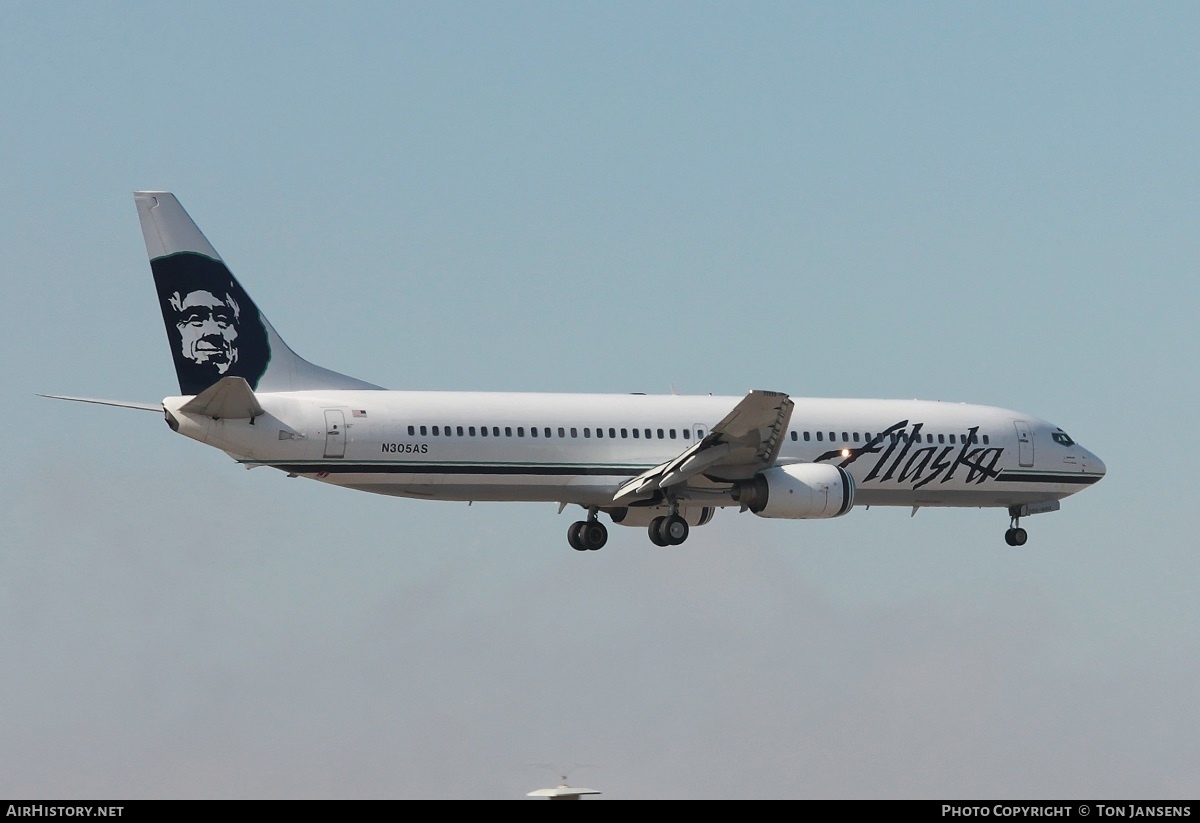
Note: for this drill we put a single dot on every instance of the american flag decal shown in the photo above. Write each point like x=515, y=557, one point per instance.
x=359, y=412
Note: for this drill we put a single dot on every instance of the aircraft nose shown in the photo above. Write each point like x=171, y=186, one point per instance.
x=1095, y=465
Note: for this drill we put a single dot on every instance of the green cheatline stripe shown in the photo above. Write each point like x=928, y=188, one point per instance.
x=335, y=466
x=1043, y=476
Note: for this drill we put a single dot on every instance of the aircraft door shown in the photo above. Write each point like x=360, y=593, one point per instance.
x=1024, y=443
x=335, y=433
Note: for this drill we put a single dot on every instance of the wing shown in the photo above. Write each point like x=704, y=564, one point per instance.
x=744, y=443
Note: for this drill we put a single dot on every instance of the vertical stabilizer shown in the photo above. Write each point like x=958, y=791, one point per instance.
x=215, y=330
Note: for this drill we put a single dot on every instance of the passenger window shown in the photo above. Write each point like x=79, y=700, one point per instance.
x=495, y=431
x=687, y=435
x=635, y=434
x=574, y=432
x=795, y=437
x=563, y=432
x=941, y=438
x=612, y=432
x=856, y=437
x=412, y=430
x=672, y=433
x=660, y=434
x=483, y=431
x=820, y=436
x=547, y=432
x=471, y=430
x=985, y=440
x=587, y=432
x=625, y=433
x=599, y=432
x=806, y=437
x=423, y=432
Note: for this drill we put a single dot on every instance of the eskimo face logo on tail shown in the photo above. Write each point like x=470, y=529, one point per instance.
x=213, y=326
x=208, y=328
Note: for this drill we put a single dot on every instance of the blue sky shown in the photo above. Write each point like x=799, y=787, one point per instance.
x=986, y=203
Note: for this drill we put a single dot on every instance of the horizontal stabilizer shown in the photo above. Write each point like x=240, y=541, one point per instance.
x=156, y=407
x=230, y=398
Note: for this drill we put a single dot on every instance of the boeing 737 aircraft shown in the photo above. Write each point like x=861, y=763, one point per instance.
x=664, y=463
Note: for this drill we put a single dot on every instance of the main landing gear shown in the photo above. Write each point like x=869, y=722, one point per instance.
x=590, y=535
x=670, y=530
x=1015, y=536
x=587, y=535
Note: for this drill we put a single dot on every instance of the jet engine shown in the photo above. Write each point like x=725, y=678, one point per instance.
x=798, y=491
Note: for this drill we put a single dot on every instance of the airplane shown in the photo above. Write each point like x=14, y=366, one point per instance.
x=665, y=463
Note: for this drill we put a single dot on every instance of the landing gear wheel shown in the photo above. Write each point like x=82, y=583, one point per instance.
x=574, y=537
x=1015, y=536
x=593, y=536
x=655, y=531
x=674, y=529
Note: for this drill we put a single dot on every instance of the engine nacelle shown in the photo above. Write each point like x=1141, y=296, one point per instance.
x=798, y=491
x=642, y=515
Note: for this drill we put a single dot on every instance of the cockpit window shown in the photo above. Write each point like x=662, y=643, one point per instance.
x=1062, y=438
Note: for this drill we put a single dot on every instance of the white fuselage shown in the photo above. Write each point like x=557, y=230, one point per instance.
x=664, y=462
x=579, y=448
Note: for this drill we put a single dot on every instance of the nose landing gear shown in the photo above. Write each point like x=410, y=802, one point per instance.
x=1015, y=536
